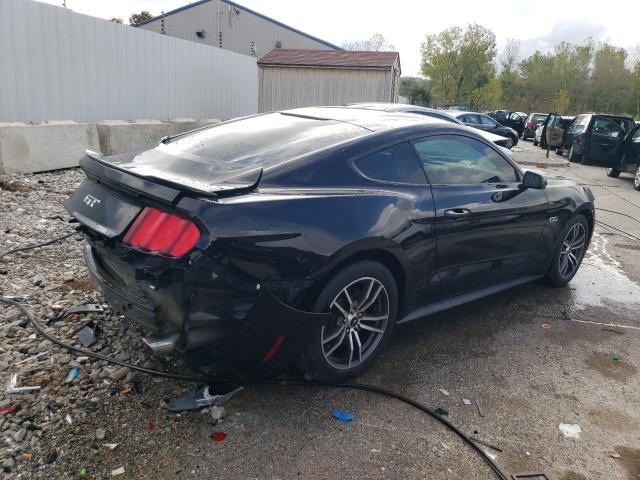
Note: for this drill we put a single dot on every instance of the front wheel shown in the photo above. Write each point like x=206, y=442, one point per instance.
x=363, y=299
x=535, y=143
x=508, y=144
x=568, y=256
x=612, y=172
x=636, y=178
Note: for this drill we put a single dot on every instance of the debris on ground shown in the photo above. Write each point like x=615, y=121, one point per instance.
x=441, y=411
x=120, y=374
x=570, y=430
x=480, y=409
x=613, y=454
x=117, y=471
x=87, y=335
x=218, y=437
x=546, y=326
x=72, y=375
x=202, y=397
x=444, y=392
x=101, y=433
x=342, y=415
x=616, y=358
x=218, y=412
x=12, y=386
x=466, y=401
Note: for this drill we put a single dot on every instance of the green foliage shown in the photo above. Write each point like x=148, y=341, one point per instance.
x=377, y=43
x=417, y=90
x=487, y=97
x=137, y=18
x=116, y=20
x=560, y=102
x=458, y=61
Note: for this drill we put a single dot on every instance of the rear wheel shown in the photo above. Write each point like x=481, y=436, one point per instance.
x=612, y=172
x=573, y=157
x=535, y=142
x=363, y=299
x=568, y=256
x=636, y=178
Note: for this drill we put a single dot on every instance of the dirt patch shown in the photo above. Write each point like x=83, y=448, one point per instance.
x=572, y=476
x=630, y=460
x=603, y=363
x=82, y=284
x=614, y=420
x=12, y=185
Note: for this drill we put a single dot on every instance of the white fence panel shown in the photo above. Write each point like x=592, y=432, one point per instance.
x=59, y=65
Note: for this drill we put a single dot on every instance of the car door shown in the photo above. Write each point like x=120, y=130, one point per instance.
x=604, y=141
x=555, y=130
x=487, y=227
x=631, y=150
x=488, y=124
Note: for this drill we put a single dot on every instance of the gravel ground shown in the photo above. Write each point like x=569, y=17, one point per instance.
x=516, y=352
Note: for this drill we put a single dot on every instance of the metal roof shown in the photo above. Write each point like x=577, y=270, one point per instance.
x=233, y=4
x=329, y=58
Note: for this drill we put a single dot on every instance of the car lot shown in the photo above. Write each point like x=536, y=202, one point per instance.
x=525, y=354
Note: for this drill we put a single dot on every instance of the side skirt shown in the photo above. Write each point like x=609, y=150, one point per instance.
x=466, y=297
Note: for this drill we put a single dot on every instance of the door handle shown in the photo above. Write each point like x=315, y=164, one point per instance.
x=456, y=213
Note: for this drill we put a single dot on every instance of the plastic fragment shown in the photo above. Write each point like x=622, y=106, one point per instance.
x=9, y=409
x=86, y=335
x=68, y=419
x=466, y=401
x=616, y=359
x=218, y=412
x=342, y=415
x=82, y=473
x=218, y=437
x=546, y=326
x=480, y=409
x=27, y=456
x=117, y=471
x=444, y=392
x=570, y=430
x=110, y=446
x=72, y=375
x=613, y=454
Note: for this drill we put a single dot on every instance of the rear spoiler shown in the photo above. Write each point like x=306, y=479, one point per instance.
x=158, y=189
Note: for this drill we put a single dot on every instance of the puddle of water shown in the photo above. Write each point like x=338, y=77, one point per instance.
x=601, y=280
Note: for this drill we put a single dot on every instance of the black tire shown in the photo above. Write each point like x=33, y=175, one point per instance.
x=313, y=359
x=612, y=172
x=514, y=138
x=535, y=142
x=636, y=178
x=554, y=276
x=524, y=137
x=508, y=144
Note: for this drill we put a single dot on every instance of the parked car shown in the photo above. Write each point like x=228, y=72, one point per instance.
x=532, y=123
x=309, y=234
x=556, y=126
x=486, y=123
x=428, y=112
x=514, y=120
x=628, y=157
x=595, y=138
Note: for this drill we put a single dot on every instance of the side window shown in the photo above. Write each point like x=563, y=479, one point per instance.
x=470, y=119
x=487, y=122
x=396, y=164
x=635, y=138
x=606, y=128
x=460, y=160
x=578, y=125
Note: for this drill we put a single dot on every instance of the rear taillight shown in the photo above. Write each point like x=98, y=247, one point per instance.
x=529, y=124
x=160, y=232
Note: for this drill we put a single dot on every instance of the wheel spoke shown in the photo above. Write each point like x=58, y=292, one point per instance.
x=573, y=260
x=339, y=307
x=370, y=328
x=378, y=318
x=333, y=335
x=577, y=247
x=346, y=294
x=563, y=264
x=350, y=349
x=357, y=337
x=373, y=298
x=338, y=343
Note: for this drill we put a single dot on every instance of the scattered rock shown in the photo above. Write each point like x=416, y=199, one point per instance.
x=101, y=433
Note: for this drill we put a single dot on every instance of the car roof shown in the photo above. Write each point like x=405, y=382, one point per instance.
x=373, y=120
x=403, y=107
x=459, y=113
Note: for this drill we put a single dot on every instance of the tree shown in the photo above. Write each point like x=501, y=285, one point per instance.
x=376, y=43
x=560, y=102
x=459, y=61
x=115, y=20
x=137, y=18
x=487, y=97
x=417, y=90
x=510, y=55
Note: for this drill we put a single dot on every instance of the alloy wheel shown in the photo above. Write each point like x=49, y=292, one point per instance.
x=636, y=179
x=361, y=315
x=572, y=250
x=509, y=143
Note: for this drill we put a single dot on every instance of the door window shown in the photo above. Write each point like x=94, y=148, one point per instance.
x=460, y=160
x=635, y=138
x=606, y=128
x=488, y=122
x=397, y=164
x=471, y=119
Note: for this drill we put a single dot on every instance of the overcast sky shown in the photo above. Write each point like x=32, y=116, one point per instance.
x=406, y=22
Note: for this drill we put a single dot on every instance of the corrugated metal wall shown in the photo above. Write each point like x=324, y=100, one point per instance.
x=292, y=87
x=241, y=30
x=59, y=65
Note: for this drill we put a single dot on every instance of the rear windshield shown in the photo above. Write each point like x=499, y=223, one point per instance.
x=579, y=123
x=625, y=124
x=539, y=118
x=562, y=122
x=263, y=140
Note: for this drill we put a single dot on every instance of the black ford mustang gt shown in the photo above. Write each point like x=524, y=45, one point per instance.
x=309, y=234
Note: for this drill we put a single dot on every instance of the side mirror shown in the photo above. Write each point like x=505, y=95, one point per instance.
x=533, y=180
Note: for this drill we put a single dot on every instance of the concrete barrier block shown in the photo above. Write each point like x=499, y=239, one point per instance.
x=181, y=125
x=117, y=136
x=46, y=146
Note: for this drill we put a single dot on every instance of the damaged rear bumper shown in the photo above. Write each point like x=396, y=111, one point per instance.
x=251, y=331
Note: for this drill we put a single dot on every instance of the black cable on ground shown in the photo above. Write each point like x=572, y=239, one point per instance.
x=213, y=380
x=618, y=213
x=37, y=245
